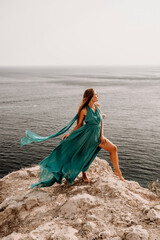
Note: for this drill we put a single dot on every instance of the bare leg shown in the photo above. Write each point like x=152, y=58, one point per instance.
x=85, y=178
x=112, y=149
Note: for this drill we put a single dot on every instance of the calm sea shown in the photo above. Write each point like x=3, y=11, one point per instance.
x=44, y=100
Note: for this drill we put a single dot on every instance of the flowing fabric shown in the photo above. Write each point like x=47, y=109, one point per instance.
x=33, y=137
x=73, y=154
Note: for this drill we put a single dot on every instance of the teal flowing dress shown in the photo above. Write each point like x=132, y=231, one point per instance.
x=73, y=154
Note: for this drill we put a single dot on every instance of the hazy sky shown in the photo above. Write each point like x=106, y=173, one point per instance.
x=79, y=32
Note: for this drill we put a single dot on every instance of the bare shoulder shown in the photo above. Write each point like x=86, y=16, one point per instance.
x=98, y=105
x=84, y=111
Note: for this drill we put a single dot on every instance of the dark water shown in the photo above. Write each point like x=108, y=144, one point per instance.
x=44, y=100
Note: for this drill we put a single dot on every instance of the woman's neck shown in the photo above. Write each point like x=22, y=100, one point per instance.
x=91, y=104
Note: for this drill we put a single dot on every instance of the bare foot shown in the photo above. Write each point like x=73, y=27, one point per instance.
x=85, y=178
x=119, y=174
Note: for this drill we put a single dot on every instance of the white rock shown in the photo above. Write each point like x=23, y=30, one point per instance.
x=78, y=222
x=78, y=203
x=105, y=234
x=116, y=238
x=32, y=172
x=90, y=226
x=145, y=209
x=157, y=207
x=153, y=215
x=23, y=174
x=53, y=231
x=16, y=236
x=136, y=233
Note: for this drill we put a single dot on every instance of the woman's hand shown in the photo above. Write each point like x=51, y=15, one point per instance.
x=102, y=139
x=65, y=136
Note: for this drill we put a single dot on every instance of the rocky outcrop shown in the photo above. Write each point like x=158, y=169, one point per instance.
x=106, y=208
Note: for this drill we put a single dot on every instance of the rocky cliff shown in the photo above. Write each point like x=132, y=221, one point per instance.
x=106, y=208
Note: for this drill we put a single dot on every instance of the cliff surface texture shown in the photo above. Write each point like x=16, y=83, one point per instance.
x=106, y=208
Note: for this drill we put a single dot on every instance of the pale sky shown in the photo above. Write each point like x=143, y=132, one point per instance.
x=79, y=32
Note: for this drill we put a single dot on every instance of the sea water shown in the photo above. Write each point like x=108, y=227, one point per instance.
x=45, y=99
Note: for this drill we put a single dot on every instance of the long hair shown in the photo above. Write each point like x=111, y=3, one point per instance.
x=88, y=94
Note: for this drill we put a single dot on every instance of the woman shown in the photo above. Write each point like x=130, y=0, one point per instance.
x=104, y=142
x=76, y=150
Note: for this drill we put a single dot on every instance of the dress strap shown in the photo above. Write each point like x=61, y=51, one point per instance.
x=33, y=137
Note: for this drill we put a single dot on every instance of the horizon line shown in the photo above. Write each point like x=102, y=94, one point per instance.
x=102, y=65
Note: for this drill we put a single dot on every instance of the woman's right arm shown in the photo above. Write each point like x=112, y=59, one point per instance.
x=82, y=116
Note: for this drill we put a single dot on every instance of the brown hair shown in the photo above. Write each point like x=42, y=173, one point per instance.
x=87, y=95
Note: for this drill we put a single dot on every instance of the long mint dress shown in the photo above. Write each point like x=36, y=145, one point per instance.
x=73, y=154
